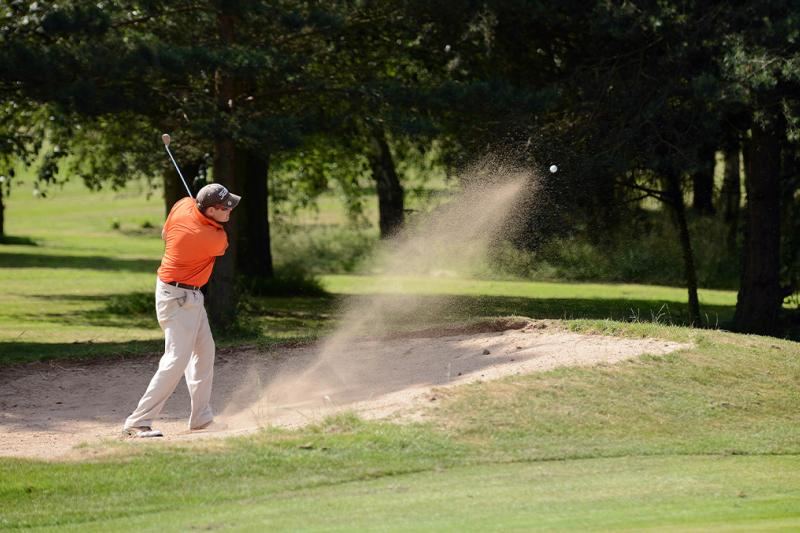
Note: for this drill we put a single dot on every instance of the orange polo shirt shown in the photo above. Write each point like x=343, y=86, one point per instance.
x=193, y=243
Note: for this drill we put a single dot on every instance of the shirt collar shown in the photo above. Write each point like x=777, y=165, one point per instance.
x=204, y=219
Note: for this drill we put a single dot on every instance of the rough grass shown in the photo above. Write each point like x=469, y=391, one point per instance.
x=730, y=394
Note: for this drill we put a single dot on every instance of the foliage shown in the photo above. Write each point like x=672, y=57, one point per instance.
x=300, y=177
x=22, y=135
x=644, y=250
x=324, y=248
x=628, y=99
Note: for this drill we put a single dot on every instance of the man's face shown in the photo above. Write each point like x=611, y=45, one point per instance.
x=219, y=213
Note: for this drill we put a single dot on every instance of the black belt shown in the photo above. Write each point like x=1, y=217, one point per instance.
x=182, y=285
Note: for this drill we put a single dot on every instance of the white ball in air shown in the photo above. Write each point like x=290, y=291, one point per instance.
x=553, y=169
x=447, y=48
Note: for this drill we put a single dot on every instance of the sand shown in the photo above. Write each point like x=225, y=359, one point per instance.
x=47, y=409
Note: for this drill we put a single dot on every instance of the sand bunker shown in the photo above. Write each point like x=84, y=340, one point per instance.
x=46, y=409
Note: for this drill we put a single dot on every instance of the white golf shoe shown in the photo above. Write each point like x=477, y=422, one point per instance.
x=141, y=432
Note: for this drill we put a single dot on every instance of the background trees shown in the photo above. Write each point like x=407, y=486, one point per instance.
x=632, y=100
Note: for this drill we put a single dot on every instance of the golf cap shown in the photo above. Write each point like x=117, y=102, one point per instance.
x=214, y=194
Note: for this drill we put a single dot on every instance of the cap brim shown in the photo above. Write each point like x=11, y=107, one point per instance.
x=231, y=201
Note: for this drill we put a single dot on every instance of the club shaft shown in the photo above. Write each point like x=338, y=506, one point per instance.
x=179, y=171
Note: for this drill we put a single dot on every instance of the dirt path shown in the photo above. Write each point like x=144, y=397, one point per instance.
x=46, y=409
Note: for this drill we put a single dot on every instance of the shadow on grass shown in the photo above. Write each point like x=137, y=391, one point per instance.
x=92, y=262
x=262, y=320
x=627, y=310
x=68, y=297
x=299, y=318
x=24, y=352
x=99, y=319
x=137, y=305
x=19, y=241
x=132, y=310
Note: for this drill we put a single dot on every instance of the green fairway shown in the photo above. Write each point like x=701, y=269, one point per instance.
x=683, y=493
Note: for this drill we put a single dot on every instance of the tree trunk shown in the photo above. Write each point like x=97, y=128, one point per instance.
x=759, y=301
x=731, y=195
x=222, y=297
x=390, y=192
x=703, y=185
x=679, y=211
x=605, y=203
x=254, y=255
x=173, y=187
x=790, y=221
x=2, y=214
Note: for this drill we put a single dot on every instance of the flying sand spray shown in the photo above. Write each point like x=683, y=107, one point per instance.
x=449, y=242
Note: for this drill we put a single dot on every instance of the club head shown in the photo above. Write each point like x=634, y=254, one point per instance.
x=166, y=139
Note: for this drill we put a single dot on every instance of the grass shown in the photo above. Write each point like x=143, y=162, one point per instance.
x=74, y=261
x=79, y=268
x=706, y=439
x=675, y=493
x=42, y=320
x=67, y=293
x=78, y=273
x=478, y=298
x=715, y=398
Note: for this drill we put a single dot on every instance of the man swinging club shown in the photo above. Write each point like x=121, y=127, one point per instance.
x=194, y=238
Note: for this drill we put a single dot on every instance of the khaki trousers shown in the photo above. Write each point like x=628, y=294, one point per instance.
x=188, y=351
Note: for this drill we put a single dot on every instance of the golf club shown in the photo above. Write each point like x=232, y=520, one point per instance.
x=166, y=140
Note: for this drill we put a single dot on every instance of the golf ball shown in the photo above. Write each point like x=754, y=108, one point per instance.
x=447, y=48
x=553, y=169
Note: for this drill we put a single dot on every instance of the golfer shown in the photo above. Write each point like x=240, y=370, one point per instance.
x=194, y=238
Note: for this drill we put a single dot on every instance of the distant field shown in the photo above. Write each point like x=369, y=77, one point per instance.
x=82, y=288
